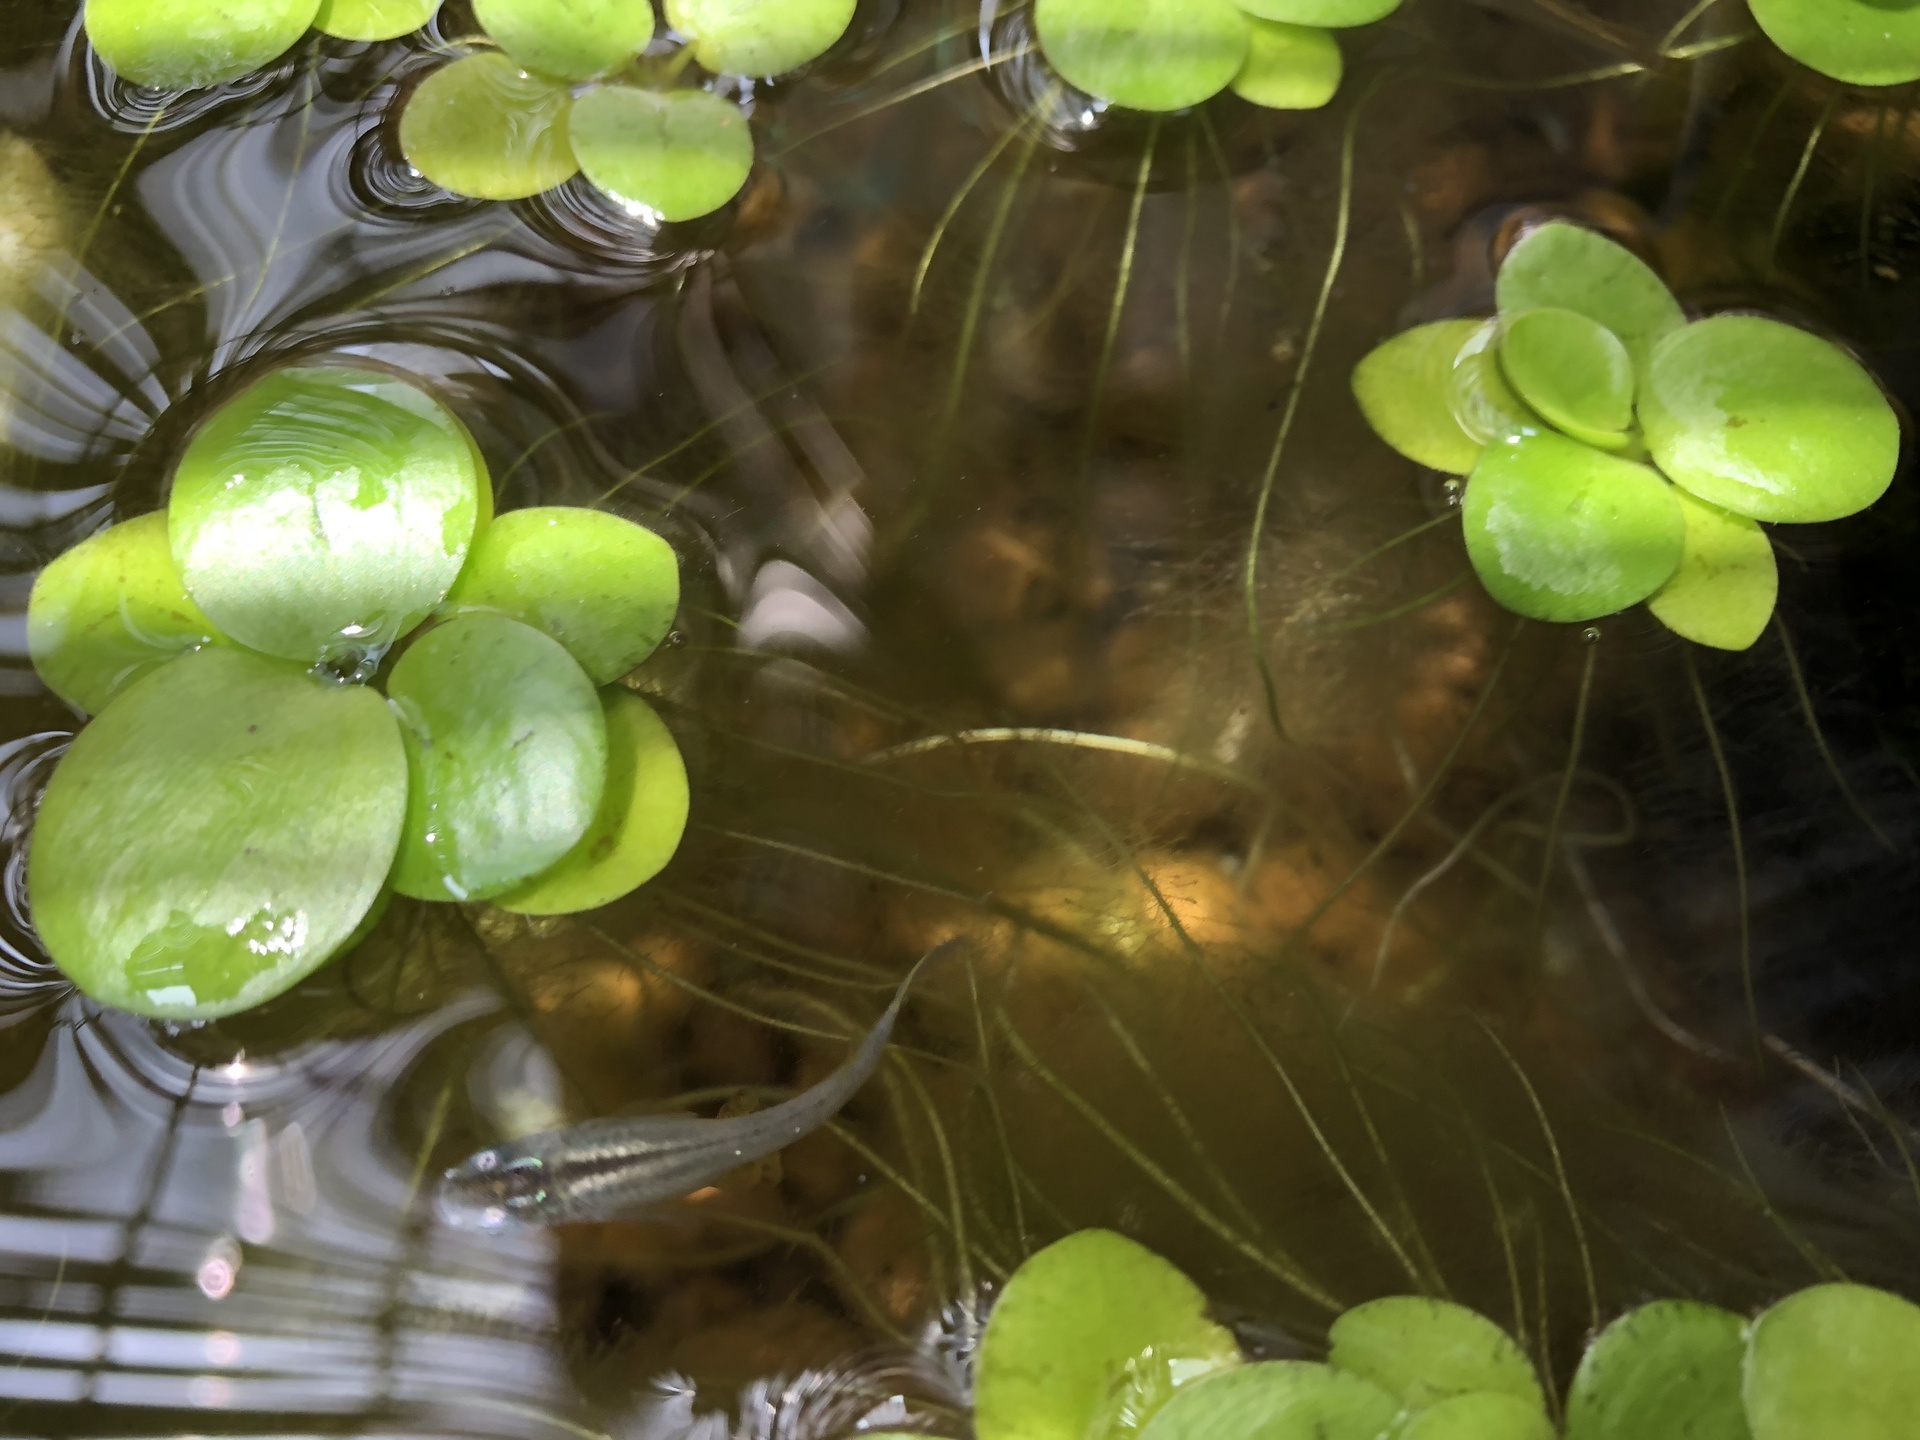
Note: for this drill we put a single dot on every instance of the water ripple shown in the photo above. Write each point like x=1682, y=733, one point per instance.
x=28, y=978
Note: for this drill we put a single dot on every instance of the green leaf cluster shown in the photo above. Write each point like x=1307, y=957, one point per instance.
x=1162, y=55
x=187, y=44
x=1615, y=452
x=247, y=796
x=565, y=93
x=1096, y=1338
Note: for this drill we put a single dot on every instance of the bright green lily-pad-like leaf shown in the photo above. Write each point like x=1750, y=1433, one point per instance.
x=1861, y=42
x=603, y=586
x=186, y=44
x=109, y=610
x=1558, y=266
x=1557, y=530
x=508, y=750
x=642, y=815
x=1572, y=370
x=1767, y=421
x=1421, y=1350
x=1669, y=1368
x=1480, y=1416
x=1483, y=403
x=570, y=39
x=484, y=128
x=1276, y=1400
x=1724, y=591
x=1405, y=386
x=679, y=153
x=1834, y=1362
x=1325, y=14
x=759, y=37
x=216, y=834
x=1068, y=1324
x=373, y=19
x=1289, y=67
x=1144, y=54
x=323, y=511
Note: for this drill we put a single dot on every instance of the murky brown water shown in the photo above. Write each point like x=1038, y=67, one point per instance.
x=1043, y=588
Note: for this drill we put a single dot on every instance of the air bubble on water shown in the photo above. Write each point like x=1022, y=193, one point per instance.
x=1591, y=634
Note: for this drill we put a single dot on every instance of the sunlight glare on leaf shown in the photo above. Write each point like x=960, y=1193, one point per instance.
x=678, y=153
x=507, y=745
x=1068, y=1323
x=216, y=834
x=1144, y=54
x=483, y=128
x=187, y=44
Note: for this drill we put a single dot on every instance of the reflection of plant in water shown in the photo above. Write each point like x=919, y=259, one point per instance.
x=1164, y=55
x=1553, y=410
x=236, y=813
x=1095, y=1338
x=487, y=128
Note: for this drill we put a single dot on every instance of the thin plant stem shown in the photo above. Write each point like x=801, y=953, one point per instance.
x=1799, y=176
x=1256, y=535
x=1566, y=777
x=1819, y=736
x=1739, y=844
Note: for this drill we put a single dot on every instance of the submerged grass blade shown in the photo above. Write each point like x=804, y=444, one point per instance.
x=1566, y=777
x=1560, y=1180
x=1279, y=1264
x=1819, y=735
x=1256, y=535
x=1739, y=844
x=1799, y=177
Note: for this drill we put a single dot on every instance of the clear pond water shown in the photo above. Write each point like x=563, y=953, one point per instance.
x=1328, y=930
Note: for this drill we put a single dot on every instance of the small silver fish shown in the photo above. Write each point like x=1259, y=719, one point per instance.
x=611, y=1169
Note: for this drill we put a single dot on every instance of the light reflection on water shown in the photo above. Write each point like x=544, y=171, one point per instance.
x=246, y=1238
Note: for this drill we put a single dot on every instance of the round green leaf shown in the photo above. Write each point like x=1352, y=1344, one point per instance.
x=1144, y=54
x=571, y=39
x=508, y=753
x=1669, y=1368
x=1862, y=42
x=1768, y=421
x=1835, y=1362
x=1482, y=401
x=642, y=815
x=1289, y=67
x=1070, y=1321
x=1276, y=1400
x=1573, y=371
x=759, y=37
x=1326, y=14
x=109, y=610
x=1405, y=389
x=1421, y=1350
x=603, y=586
x=1480, y=1416
x=1557, y=530
x=324, y=511
x=216, y=834
x=373, y=19
x=484, y=128
x=1723, y=593
x=1558, y=266
x=185, y=44
x=679, y=153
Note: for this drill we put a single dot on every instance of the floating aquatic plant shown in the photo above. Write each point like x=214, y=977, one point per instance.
x=187, y=44
x=1095, y=1338
x=1861, y=42
x=1615, y=452
x=245, y=798
x=1162, y=55
x=565, y=94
